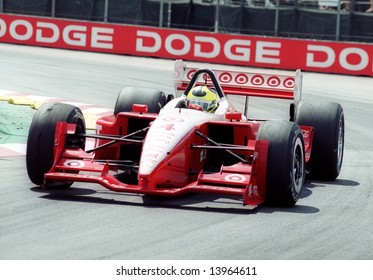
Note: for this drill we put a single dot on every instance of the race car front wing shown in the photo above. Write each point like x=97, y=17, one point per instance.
x=246, y=179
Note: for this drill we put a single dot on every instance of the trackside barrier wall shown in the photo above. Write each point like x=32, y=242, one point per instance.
x=339, y=20
x=234, y=49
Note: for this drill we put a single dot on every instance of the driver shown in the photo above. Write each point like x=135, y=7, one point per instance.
x=203, y=98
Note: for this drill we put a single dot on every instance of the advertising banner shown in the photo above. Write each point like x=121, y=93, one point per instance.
x=234, y=49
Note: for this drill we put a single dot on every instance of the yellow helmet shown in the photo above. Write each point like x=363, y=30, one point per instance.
x=204, y=97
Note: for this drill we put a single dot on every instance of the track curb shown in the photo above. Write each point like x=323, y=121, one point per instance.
x=91, y=114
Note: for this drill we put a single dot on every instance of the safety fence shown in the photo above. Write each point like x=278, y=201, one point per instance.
x=336, y=20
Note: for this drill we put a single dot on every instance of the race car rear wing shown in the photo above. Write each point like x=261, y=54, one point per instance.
x=244, y=83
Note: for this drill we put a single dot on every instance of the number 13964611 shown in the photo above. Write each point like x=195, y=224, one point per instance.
x=222, y=270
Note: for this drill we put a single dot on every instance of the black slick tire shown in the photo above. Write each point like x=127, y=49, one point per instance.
x=327, y=119
x=40, y=141
x=128, y=96
x=285, y=163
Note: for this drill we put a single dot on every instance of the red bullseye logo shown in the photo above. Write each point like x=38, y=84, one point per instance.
x=241, y=79
x=257, y=80
x=274, y=81
x=225, y=77
x=73, y=163
x=289, y=82
x=235, y=178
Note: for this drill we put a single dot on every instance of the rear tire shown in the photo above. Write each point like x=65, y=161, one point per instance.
x=285, y=164
x=128, y=96
x=327, y=119
x=40, y=142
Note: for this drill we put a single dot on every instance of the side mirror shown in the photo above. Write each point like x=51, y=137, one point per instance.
x=140, y=108
x=233, y=116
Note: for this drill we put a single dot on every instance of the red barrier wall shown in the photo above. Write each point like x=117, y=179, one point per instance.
x=253, y=51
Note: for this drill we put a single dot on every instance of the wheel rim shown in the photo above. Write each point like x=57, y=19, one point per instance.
x=340, y=143
x=298, y=166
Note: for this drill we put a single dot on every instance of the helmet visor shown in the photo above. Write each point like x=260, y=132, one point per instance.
x=205, y=104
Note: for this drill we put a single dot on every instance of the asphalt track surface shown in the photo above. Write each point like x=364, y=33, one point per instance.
x=332, y=220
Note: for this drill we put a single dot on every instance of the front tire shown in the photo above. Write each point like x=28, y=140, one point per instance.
x=285, y=163
x=40, y=141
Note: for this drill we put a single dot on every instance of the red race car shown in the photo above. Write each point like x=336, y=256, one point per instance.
x=193, y=140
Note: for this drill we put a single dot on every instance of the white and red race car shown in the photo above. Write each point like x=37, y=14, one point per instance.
x=153, y=145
